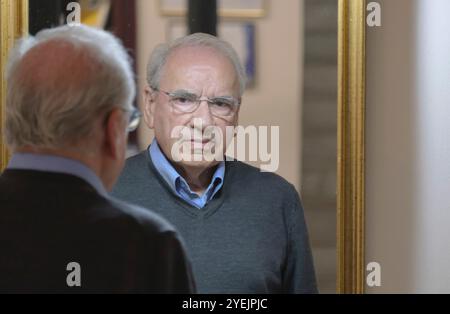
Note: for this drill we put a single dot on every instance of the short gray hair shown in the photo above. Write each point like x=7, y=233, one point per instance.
x=55, y=101
x=162, y=52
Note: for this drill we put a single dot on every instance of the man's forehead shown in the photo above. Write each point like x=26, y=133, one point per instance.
x=190, y=55
x=189, y=66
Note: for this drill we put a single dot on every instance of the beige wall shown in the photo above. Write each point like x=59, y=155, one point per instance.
x=391, y=182
x=276, y=98
x=408, y=147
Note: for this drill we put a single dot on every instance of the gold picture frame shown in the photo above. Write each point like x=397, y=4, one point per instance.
x=228, y=8
x=351, y=146
x=14, y=24
x=351, y=136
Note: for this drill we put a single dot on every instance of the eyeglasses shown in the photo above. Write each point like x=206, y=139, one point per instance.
x=134, y=119
x=186, y=102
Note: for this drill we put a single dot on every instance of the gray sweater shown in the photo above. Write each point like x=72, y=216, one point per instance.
x=250, y=238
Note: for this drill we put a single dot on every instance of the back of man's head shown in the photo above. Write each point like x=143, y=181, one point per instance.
x=59, y=84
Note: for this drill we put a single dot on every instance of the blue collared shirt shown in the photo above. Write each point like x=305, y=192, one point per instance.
x=50, y=163
x=179, y=185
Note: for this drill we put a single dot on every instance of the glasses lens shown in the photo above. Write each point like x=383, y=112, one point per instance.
x=184, y=103
x=135, y=119
x=223, y=107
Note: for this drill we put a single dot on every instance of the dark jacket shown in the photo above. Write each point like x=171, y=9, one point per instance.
x=50, y=220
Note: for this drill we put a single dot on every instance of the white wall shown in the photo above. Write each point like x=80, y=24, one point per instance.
x=408, y=147
x=276, y=98
x=434, y=146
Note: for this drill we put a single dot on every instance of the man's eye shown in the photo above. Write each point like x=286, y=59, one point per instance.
x=222, y=103
x=181, y=100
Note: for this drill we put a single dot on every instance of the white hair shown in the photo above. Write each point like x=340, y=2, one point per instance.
x=56, y=101
x=161, y=53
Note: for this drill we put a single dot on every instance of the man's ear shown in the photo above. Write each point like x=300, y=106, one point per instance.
x=115, y=134
x=149, y=106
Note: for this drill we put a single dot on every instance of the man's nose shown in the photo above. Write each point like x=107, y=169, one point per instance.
x=203, y=112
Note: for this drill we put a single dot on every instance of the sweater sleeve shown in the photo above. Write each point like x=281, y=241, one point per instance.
x=299, y=274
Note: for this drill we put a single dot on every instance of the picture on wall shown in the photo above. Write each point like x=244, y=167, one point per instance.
x=227, y=8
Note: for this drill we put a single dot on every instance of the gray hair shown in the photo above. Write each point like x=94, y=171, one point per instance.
x=162, y=52
x=56, y=101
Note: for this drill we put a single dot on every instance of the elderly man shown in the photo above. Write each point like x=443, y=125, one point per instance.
x=244, y=229
x=69, y=105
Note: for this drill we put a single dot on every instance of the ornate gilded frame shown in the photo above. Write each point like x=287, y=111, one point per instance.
x=351, y=107
x=351, y=146
x=14, y=24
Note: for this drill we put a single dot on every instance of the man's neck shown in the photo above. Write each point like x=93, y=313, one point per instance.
x=197, y=178
x=53, y=152
x=84, y=159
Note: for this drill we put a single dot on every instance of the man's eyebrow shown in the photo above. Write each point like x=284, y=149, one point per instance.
x=187, y=93
x=229, y=97
x=183, y=92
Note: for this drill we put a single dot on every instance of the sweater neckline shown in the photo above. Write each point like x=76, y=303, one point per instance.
x=210, y=208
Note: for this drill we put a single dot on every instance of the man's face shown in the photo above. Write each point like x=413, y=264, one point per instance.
x=199, y=71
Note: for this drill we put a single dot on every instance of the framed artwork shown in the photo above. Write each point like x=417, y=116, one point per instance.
x=14, y=21
x=227, y=8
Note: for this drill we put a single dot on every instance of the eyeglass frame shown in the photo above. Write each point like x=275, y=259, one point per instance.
x=236, y=102
x=135, y=116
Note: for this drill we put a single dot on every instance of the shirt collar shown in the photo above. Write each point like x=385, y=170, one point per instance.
x=175, y=180
x=56, y=164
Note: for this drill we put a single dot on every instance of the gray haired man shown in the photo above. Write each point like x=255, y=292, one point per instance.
x=68, y=109
x=244, y=229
